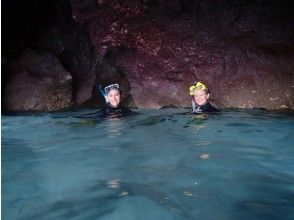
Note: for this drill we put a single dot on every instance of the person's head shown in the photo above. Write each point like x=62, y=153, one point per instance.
x=113, y=95
x=199, y=93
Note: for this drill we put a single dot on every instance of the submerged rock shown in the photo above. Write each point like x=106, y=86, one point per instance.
x=37, y=82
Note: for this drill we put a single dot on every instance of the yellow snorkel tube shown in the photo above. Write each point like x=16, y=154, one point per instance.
x=197, y=86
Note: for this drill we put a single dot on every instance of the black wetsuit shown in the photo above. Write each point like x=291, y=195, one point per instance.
x=116, y=112
x=207, y=108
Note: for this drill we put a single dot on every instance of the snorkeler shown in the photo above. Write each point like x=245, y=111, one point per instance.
x=112, y=95
x=200, y=95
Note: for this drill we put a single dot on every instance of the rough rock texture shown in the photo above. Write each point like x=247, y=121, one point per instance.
x=37, y=82
x=155, y=49
x=71, y=43
x=243, y=51
x=48, y=26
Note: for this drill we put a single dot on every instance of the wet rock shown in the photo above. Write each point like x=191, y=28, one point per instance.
x=244, y=52
x=155, y=49
x=37, y=82
x=70, y=42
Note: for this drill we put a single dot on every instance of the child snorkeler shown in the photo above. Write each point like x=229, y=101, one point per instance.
x=200, y=95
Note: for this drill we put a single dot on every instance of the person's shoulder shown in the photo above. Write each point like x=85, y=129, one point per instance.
x=207, y=108
x=103, y=111
x=211, y=108
x=119, y=111
x=127, y=111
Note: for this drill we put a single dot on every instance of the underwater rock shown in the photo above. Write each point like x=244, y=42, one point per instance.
x=37, y=82
x=162, y=48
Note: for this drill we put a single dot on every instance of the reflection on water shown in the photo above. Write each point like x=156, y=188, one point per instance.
x=114, y=126
x=162, y=164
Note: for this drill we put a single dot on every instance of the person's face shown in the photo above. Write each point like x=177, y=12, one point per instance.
x=114, y=98
x=201, y=97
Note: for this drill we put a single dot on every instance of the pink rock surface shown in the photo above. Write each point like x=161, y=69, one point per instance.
x=244, y=64
x=155, y=50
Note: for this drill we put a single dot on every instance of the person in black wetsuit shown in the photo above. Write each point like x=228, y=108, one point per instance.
x=113, y=107
x=200, y=95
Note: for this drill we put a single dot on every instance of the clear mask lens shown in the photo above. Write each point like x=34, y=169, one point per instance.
x=110, y=87
x=200, y=87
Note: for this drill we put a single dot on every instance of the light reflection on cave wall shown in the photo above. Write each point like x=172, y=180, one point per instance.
x=268, y=23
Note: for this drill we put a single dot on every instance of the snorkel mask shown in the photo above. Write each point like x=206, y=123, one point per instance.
x=114, y=86
x=197, y=86
x=106, y=90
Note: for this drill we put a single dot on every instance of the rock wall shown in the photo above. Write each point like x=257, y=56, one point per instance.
x=37, y=82
x=155, y=49
x=243, y=51
x=60, y=37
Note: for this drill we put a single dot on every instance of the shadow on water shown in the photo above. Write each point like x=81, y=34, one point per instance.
x=13, y=149
x=104, y=200
x=268, y=198
x=239, y=125
x=91, y=209
x=153, y=120
x=90, y=118
x=95, y=118
x=197, y=120
x=173, y=118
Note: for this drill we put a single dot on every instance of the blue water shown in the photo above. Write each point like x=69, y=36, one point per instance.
x=159, y=164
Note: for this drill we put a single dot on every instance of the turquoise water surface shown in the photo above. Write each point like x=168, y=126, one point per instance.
x=158, y=164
